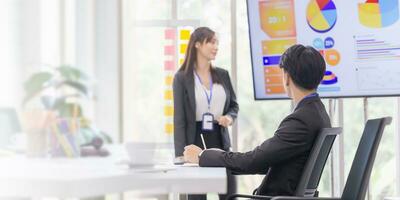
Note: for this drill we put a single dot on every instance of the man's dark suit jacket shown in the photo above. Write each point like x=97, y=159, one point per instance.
x=282, y=157
x=185, y=109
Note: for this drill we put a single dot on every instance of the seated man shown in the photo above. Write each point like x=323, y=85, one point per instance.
x=282, y=157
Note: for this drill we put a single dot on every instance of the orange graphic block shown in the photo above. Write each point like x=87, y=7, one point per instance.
x=277, y=18
x=276, y=46
x=273, y=80
x=274, y=89
x=273, y=71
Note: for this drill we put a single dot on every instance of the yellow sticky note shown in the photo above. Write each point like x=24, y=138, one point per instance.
x=181, y=61
x=168, y=111
x=168, y=95
x=184, y=34
x=182, y=48
x=169, y=128
x=169, y=80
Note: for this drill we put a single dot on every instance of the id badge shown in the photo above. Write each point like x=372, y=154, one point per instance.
x=208, y=120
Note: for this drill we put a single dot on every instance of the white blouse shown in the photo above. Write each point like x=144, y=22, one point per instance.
x=217, y=101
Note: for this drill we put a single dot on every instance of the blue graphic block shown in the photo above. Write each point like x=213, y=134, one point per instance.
x=271, y=60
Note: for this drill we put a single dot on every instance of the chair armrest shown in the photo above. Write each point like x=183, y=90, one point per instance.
x=234, y=196
x=304, y=198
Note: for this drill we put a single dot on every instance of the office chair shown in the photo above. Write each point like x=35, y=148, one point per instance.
x=9, y=125
x=360, y=172
x=307, y=186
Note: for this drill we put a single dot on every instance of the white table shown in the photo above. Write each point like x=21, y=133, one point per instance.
x=86, y=177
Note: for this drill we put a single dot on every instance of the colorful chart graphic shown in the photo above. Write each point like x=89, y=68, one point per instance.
x=325, y=47
x=378, y=13
x=321, y=15
x=277, y=18
x=329, y=78
x=332, y=56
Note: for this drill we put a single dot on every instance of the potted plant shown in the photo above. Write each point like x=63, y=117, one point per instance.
x=62, y=91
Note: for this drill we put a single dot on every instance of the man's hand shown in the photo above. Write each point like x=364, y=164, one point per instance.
x=225, y=120
x=191, y=153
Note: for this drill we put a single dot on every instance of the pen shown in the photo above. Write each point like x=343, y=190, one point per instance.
x=202, y=140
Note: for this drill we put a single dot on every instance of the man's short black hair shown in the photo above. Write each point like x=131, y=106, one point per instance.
x=305, y=66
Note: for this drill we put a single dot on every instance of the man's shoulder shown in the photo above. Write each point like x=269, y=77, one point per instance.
x=312, y=114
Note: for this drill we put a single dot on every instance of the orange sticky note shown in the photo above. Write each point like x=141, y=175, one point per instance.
x=168, y=111
x=168, y=95
x=169, y=128
x=169, y=80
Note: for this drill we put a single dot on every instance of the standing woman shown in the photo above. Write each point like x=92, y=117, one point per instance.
x=204, y=100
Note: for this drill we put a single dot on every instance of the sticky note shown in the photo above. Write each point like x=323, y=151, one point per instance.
x=168, y=111
x=169, y=128
x=182, y=48
x=169, y=50
x=184, y=34
x=168, y=95
x=169, y=34
x=169, y=80
x=169, y=65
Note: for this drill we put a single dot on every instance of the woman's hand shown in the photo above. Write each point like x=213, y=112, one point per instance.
x=225, y=120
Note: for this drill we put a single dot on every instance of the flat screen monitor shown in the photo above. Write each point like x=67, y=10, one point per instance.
x=359, y=40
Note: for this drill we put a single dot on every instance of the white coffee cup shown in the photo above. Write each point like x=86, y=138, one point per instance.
x=141, y=153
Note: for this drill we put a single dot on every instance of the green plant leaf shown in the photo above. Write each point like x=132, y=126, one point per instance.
x=80, y=87
x=67, y=109
x=71, y=73
x=35, y=84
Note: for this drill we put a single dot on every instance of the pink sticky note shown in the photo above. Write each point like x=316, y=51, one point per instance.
x=170, y=34
x=169, y=50
x=169, y=65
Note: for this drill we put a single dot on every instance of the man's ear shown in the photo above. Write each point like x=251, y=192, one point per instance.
x=287, y=77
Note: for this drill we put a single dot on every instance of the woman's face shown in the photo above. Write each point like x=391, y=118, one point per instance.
x=208, y=50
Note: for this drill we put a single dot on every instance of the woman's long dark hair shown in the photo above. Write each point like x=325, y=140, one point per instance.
x=202, y=35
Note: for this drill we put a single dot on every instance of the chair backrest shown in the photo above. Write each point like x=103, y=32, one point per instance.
x=9, y=125
x=315, y=164
x=360, y=172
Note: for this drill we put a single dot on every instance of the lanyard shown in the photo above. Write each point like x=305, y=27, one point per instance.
x=211, y=87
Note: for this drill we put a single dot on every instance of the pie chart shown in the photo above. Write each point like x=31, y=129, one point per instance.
x=378, y=13
x=321, y=15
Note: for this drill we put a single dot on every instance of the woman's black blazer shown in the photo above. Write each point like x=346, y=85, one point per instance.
x=185, y=109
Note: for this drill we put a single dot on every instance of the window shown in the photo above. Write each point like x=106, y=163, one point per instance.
x=145, y=23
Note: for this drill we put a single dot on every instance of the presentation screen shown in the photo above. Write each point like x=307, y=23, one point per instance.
x=359, y=40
